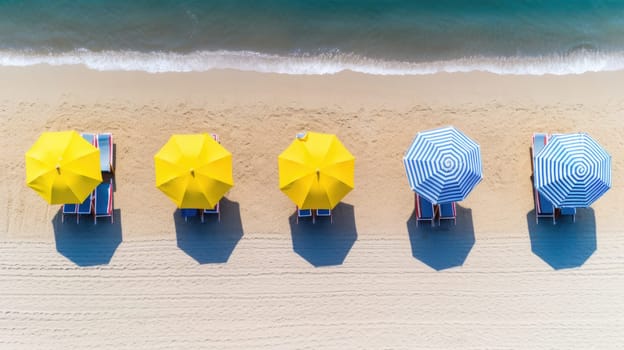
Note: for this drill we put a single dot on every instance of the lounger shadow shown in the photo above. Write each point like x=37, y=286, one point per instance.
x=324, y=243
x=565, y=245
x=442, y=247
x=213, y=241
x=86, y=244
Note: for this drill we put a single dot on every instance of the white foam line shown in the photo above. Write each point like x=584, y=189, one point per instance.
x=159, y=62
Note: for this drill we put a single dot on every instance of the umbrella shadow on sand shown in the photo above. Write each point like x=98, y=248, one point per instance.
x=86, y=243
x=442, y=246
x=566, y=244
x=324, y=243
x=212, y=241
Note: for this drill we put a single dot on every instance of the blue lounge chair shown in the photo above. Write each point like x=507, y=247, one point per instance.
x=85, y=208
x=103, y=200
x=77, y=209
x=189, y=213
x=105, y=144
x=325, y=213
x=424, y=210
x=90, y=137
x=543, y=207
x=304, y=213
x=568, y=212
x=216, y=210
x=69, y=209
x=539, y=141
x=447, y=212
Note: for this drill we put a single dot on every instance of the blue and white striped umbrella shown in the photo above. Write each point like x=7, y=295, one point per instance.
x=572, y=170
x=443, y=165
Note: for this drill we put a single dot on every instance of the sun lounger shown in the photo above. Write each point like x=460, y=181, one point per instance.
x=85, y=208
x=326, y=213
x=304, y=213
x=87, y=205
x=90, y=137
x=424, y=210
x=69, y=209
x=216, y=210
x=103, y=200
x=539, y=141
x=189, y=213
x=543, y=207
x=105, y=144
x=568, y=212
x=447, y=212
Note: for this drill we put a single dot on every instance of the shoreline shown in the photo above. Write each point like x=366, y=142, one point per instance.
x=564, y=63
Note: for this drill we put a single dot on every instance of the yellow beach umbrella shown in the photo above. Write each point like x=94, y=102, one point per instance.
x=316, y=171
x=62, y=167
x=195, y=171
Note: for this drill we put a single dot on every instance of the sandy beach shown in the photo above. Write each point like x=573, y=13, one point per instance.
x=373, y=279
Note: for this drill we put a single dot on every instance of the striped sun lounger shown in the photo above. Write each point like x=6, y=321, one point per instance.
x=103, y=201
x=543, y=207
x=105, y=144
x=447, y=211
x=425, y=210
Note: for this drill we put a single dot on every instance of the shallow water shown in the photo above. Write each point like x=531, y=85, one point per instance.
x=318, y=37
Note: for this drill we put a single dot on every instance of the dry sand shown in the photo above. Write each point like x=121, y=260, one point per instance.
x=371, y=280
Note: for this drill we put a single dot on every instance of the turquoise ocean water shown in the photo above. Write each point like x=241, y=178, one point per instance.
x=317, y=37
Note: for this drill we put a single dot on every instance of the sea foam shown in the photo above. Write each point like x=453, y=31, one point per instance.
x=576, y=62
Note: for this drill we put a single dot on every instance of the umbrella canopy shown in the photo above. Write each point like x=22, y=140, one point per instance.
x=62, y=167
x=195, y=171
x=316, y=171
x=572, y=170
x=443, y=165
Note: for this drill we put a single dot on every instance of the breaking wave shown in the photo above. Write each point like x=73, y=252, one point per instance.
x=575, y=62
